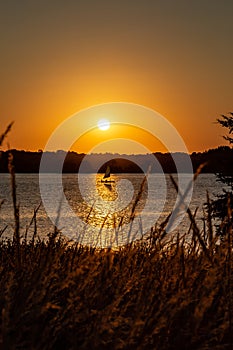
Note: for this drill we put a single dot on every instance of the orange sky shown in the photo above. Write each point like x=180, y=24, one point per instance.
x=60, y=57
x=115, y=138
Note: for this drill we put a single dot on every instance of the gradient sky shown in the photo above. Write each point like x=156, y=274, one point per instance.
x=58, y=57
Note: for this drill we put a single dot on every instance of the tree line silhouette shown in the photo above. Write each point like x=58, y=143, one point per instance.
x=217, y=160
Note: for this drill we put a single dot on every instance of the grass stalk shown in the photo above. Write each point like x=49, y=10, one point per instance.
x=16, y=236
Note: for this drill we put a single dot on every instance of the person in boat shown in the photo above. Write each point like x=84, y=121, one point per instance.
x=106, y=179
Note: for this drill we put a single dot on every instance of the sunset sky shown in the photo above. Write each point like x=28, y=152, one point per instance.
x=59, y=57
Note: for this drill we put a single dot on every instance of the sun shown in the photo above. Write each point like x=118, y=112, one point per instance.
x=103, y=124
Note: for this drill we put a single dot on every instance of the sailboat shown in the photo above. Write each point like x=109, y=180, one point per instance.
x=106, y=176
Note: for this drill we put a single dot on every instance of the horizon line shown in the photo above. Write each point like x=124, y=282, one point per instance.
x=221, y=147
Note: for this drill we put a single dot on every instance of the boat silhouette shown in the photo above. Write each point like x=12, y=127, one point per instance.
x=106, y=178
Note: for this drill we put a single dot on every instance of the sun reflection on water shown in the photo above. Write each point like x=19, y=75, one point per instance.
x=104, y=208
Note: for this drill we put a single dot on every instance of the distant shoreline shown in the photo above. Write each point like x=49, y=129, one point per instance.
x=217, y=160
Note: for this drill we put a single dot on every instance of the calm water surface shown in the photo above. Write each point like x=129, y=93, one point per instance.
x=96, y=208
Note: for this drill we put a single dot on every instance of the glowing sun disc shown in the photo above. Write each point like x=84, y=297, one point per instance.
x=103, y=124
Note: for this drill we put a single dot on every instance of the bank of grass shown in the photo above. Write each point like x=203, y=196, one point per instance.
x=152, y=294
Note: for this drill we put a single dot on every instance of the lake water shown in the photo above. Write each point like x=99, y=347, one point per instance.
x=98, y=214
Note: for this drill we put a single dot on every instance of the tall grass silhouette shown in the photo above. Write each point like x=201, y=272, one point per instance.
x=161, y=292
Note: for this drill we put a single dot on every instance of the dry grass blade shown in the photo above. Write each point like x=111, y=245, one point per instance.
x=16, y=238
x=191, y=225
x=3, y=136
x=192, y=219
x=182, y=197
x=99, y=236
x=1, y=203
x=134, y=207
x=3, y=230
x=209, y=220
x=33, y=220
x=138, y=197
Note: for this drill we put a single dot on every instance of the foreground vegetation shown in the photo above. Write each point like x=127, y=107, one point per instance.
x=147, y=295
